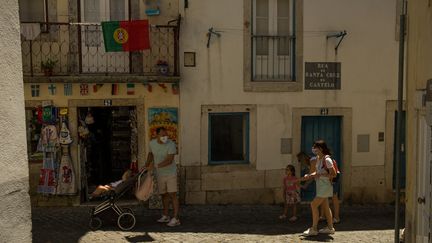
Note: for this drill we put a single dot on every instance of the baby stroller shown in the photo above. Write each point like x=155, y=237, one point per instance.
x=125, y=216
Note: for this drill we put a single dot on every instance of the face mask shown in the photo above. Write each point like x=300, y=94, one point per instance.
x=314, y=151
x=164, y=139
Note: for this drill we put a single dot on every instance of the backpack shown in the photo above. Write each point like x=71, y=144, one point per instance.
x=336, y=178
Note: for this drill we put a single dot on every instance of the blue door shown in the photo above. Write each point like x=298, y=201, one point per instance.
x=313, y=128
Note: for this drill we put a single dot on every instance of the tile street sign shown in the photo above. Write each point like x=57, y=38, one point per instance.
x=322, y=75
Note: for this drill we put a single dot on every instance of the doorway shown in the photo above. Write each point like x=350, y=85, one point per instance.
x=106, y=152
x=424, y=183
x=327, y=128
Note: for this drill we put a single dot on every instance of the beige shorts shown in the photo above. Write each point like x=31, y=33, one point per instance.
x=167, y=184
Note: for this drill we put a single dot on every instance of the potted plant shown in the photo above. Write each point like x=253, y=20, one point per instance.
x=162, y=67
x=48, y=66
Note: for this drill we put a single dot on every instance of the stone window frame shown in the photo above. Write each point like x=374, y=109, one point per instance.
x=205, y=110
x=245, y=115
x=272, y=86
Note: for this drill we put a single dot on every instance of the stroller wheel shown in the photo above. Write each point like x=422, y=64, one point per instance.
x=126, y=221
x=128, y=210
x=95, y=223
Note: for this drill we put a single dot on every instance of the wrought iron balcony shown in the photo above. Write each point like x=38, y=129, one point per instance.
x=78, y=50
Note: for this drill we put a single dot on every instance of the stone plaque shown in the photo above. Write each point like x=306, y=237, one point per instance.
x=322, y=75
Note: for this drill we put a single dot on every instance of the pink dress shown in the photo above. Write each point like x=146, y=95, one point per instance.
x=291, y=193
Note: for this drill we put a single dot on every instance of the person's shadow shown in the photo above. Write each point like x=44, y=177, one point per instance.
x=319, y=237
x=140, y=238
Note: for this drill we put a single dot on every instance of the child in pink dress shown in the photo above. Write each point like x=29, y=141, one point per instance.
x=291, y=195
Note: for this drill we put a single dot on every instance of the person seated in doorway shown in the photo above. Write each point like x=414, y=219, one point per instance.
x=101, y=189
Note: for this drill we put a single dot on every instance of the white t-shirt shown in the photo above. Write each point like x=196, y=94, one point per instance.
x=160, y=152
x=320, y=167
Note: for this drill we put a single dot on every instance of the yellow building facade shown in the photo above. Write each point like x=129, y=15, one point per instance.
x=419, y=138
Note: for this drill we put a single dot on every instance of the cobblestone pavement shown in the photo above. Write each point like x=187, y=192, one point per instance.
x=213, y=224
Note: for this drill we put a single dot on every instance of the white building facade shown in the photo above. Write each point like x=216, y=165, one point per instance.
x=262, y=79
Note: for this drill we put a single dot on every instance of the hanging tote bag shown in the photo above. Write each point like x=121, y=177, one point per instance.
x=145, y=188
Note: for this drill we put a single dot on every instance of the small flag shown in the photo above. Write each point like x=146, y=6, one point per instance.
x=130, y=89
x=84, y=89
x=164, y=87
x=52, y=89
x=67, y=89
x=35, y=88
x=175, y=88
x=96, y=87
x=126, y=35
x=114, y=89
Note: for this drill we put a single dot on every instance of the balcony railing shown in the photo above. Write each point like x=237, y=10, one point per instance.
x=272, y=58
x=79, y=49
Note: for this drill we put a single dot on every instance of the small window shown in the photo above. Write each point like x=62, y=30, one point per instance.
x=95, y=11
x=271, y=40
x=228, y=138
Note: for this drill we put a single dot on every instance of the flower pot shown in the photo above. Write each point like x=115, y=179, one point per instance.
x=48, y=72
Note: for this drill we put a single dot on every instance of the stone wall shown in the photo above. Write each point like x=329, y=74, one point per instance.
x=15, y=216
x=232, y=185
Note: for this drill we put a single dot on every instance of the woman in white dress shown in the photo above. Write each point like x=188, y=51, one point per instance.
x=322, y=173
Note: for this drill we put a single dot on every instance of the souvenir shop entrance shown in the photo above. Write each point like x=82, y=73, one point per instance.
x=107, y=144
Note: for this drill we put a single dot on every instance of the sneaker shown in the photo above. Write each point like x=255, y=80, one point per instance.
x=311, y=232
x=283, y=216
x=336, y=221
x=293, y=219
x=174, y=222
x=164, y=219
x=327, y=230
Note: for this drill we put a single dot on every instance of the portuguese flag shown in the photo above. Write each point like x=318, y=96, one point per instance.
x=126, y=35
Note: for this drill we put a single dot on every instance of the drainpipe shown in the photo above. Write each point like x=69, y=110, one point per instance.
x=399, y=118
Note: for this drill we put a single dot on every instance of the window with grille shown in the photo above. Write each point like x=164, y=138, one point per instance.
x=272, y=42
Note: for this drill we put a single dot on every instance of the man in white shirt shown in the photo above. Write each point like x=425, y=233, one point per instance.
x=161, y=156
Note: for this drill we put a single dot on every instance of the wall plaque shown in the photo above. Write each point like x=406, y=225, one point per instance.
x=322, y=75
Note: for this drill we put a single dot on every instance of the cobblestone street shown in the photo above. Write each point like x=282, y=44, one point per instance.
x=214, y=224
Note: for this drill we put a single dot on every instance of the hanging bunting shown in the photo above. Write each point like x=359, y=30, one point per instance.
x=149, y=88
x=67, y=89
x=52, y=89
x=84, y=89
x=164, y=87
x=35, y=90
x=130, y=89
x=97, y=87
x=114, y=89
x=175, y=88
